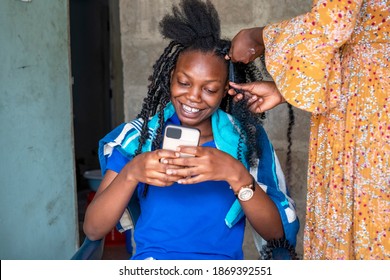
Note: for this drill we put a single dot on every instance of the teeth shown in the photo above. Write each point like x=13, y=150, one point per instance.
x=190, y=109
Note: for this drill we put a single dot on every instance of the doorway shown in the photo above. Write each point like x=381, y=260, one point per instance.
x=90, y=65
x=90, y=60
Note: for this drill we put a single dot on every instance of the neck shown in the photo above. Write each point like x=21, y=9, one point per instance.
x=206, y=138
x=207, y=135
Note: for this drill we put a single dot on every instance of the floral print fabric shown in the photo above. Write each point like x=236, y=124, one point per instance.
x=334, y=61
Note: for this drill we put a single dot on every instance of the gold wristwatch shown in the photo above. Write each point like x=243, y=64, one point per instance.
x=246, y=192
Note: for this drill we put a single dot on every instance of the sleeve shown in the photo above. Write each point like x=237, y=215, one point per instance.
x=106, y=146
x=303, y=53
x=116, y=161
x=123, y=135
x=270, y=177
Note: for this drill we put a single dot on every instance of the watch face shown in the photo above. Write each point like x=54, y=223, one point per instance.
x=245, y=194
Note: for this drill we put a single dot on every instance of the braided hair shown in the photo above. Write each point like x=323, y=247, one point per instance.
x=194, y=25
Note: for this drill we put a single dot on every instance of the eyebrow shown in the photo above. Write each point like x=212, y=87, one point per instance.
x=207, y=81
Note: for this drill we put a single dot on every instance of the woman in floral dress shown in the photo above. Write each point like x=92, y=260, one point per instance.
x=334, y=62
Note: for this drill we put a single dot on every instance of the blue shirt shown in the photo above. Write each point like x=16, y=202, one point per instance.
x=185, y=221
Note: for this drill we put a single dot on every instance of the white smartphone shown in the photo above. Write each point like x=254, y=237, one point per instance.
x=175, y=135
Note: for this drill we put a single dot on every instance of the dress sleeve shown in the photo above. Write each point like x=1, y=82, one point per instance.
x=303, y=53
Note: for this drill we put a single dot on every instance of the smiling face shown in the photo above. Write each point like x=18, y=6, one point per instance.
x=198, y=84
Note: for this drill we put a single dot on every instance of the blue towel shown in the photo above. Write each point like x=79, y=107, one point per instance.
x=226, y=137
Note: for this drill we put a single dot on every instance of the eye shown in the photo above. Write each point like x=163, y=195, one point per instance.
x=211, y=91
x=183, y=83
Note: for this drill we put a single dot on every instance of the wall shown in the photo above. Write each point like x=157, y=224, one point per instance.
x=38, y=215
x=142, y=45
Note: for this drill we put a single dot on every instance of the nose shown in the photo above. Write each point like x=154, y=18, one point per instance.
x=195, y=94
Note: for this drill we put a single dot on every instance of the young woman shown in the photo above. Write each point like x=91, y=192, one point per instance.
x=193, y=208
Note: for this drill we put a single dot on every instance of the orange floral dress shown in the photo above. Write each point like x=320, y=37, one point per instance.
x=334, y=62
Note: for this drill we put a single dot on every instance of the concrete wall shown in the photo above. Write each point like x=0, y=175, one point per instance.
x=142, y=44
x=38, y=215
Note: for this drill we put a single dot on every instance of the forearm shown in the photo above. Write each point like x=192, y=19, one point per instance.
x=260, y=210
x=263, y=215
x=108, y=204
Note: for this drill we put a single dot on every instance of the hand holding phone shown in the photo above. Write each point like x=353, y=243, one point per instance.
x=175, y=135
